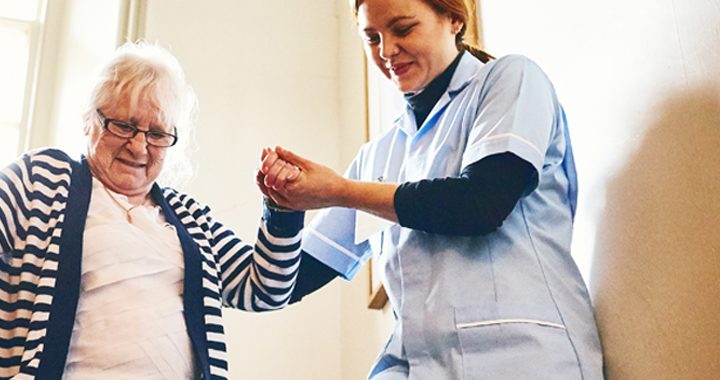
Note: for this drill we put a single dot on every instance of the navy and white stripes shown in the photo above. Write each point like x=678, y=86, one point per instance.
x=34, y=195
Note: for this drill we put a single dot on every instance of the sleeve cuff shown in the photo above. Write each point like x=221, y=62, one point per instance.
x=335, y=256
x=501, y=144
x=282, y=223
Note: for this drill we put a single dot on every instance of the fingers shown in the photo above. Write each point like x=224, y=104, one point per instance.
x=288, y=173
x=279, y=174
x=277, y=195
x=268, y=159
x=274, y=173
x=291, y=157
x=260, y=182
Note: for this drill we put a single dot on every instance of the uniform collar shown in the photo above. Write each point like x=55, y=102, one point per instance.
x=465, y=72
x=423, y=101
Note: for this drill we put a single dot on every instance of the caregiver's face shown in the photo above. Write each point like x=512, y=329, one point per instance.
x=409, y=42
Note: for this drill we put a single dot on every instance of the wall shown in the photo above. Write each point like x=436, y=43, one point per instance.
x=276, y=73
x=639, y=81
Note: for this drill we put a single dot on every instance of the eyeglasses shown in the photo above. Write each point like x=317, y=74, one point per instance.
x=128, y=130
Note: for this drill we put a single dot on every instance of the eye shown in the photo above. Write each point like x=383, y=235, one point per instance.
x=403, y=30
x=127, y=128
x=157, y=135
x=372, y=39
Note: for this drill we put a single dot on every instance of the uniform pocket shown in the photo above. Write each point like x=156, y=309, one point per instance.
x=514, y=341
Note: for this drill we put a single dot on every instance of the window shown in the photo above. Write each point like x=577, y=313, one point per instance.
x=20, y=26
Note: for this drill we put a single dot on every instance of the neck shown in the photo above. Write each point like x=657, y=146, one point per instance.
x=134, y=199
x=422, y=102
x=137, y=200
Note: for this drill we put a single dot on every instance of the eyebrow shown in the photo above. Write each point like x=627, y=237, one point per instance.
x=152, y=126
x=392, y=21
x=398, y=18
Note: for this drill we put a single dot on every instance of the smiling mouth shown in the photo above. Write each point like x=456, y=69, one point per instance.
x=400, y=69
x=131, y=164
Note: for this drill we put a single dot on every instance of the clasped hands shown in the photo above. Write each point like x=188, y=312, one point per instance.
x=297, y=183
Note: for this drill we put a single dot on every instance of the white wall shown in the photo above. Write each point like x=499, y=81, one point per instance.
x=276, y=73
x=639, y=81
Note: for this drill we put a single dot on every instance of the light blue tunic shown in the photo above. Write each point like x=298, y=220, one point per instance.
x=507, y=305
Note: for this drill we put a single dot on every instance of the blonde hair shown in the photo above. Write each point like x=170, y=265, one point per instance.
x=457, y=10
x=145, y=72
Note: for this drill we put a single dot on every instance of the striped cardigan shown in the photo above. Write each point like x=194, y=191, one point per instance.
x=44, y=199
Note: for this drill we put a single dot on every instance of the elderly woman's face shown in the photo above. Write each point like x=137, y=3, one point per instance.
x=126, y=166
x=408, y=41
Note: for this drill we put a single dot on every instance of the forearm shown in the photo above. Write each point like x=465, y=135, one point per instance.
x=260, y=277
x=276, y=259
x=372, y=197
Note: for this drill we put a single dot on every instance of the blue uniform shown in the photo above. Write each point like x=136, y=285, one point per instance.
x=507, y=305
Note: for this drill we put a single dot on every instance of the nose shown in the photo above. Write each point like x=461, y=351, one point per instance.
x=138, y=144
x=388, y=47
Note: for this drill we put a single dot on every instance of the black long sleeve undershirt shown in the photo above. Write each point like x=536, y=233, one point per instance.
x=312, y=275
x=474, y=204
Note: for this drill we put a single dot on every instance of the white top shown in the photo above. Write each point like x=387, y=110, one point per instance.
x=129, y=322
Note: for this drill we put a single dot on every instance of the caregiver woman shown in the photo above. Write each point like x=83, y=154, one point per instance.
x=478, y=181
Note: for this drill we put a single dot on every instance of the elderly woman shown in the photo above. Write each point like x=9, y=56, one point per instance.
x=104, y=273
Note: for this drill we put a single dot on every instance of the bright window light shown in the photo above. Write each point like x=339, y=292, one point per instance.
x=26, y=10
x=19, y=31
x=8, y=145
x=14, y=48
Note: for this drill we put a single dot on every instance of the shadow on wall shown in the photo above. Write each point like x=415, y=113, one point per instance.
x=656, y=276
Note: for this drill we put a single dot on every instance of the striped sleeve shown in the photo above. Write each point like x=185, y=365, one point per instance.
x=9, y=184
x=12, y=325
x=259, y=277
x=29, y=188
x=255, y=277
x=33, y=193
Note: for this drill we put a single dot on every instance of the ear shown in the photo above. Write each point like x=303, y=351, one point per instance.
x=456, y=25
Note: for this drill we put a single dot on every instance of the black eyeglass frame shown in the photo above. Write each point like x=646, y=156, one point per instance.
x=106, y=122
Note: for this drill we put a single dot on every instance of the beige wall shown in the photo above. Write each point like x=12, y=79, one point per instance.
x=640, y=82
x=284, y=73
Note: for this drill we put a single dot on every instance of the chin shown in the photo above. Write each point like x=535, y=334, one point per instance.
x=408, y=85
x=402, y=86
x=408, y=88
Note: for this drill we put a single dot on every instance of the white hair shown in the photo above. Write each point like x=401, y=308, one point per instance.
x=141, y=71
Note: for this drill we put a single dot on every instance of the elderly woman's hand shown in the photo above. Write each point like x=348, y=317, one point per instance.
x=276, y=171
x=297, y=183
